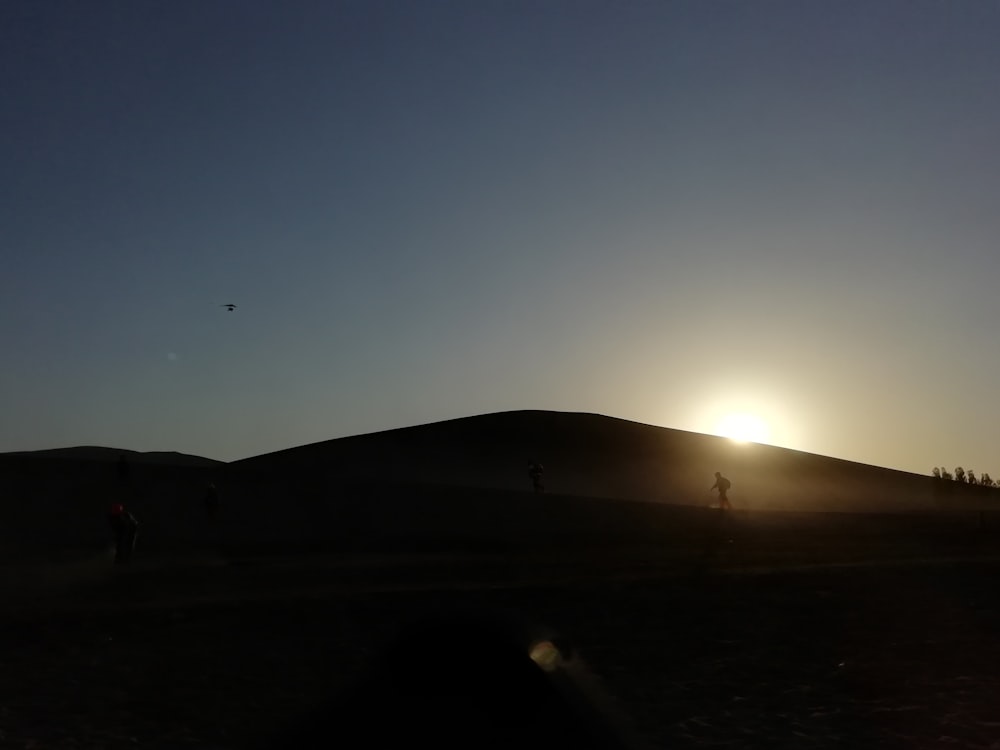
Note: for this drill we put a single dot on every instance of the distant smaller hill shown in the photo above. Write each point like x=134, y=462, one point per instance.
x=101, y=453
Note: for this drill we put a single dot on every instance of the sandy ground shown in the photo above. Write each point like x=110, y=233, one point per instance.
x=710, y=651
x=749, y=630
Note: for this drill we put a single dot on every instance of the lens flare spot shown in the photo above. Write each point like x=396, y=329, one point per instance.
x=546, y=655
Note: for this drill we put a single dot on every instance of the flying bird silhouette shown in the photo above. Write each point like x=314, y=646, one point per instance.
x=229, y=307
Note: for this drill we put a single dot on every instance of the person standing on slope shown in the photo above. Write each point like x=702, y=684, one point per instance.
x=124, y=470
x=722, y=485
x=536, y=472
x=124, y=527
x=212, y=501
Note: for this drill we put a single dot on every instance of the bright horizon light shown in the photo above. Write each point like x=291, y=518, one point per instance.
x=743, y=428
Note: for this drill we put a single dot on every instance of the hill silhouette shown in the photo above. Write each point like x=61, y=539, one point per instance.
x=101, y=453
x=596, y=456
x=459, y=484
x=463, y=484
x=56, y=499
x=622, y=550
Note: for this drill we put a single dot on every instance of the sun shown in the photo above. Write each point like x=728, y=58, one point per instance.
x=743, y=428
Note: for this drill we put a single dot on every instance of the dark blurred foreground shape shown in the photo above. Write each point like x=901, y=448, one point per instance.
x=467, y=680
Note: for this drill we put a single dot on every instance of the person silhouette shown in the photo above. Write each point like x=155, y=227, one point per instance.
x=212, y=500
x=536, y=473
x=125, y=527
x=722, y=485
x=124, y=471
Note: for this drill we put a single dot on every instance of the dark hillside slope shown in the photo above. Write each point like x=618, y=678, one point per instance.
x=593, y=455
x=57, y=499
x=458, y=484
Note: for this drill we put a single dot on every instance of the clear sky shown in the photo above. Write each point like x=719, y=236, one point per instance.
x=660, y=211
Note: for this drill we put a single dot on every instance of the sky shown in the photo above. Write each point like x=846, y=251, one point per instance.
x=666, y=212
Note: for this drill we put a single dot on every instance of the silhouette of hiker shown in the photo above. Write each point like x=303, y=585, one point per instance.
x=123, y=468
x=212, y=501
x=722, y=485
x=536, y=472
x=125, y=528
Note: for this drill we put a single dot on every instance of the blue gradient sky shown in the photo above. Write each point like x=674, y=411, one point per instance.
x=660, y=211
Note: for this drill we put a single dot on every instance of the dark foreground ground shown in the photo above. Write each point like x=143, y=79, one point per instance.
x=707, y=652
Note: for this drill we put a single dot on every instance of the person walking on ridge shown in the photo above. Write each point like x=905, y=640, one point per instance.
x=722, y=485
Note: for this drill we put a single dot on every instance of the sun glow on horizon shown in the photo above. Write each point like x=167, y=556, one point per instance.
x=743, y=428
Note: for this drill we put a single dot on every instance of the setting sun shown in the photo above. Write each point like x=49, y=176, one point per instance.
x=745, y=428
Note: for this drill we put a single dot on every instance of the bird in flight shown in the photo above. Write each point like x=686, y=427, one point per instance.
x=229, y=307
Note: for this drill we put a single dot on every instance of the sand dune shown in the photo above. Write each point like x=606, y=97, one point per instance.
x=54, y=500
x=596, y=456
x=455, y=484
x=99, y=454
x=622, y=555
